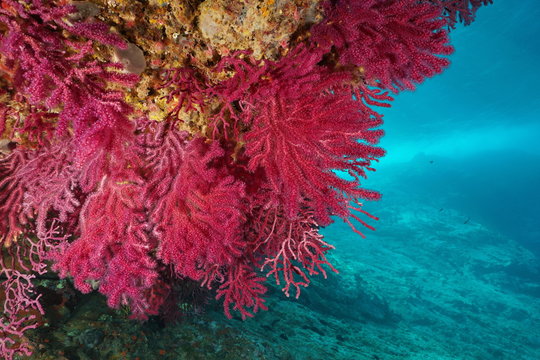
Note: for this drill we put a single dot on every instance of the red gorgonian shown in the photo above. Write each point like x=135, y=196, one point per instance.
x=94, y=190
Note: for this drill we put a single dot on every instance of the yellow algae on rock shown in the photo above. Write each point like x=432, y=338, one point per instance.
x=195, y=33
x=264, y=27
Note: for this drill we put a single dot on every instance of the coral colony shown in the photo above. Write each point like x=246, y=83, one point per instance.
x=130, y=162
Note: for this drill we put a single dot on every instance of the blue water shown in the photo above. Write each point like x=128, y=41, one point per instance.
x=453, y=269
x=479, y=122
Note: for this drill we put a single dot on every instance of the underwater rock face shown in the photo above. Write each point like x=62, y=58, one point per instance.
x=263, y=27
x=92, y=338
x=164, y=143
x=85, y=10
x=349, y=300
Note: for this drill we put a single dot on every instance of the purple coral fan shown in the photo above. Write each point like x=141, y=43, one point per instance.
x=51, y=70
x=460, y=10
x=307, y=125
x=396, y=43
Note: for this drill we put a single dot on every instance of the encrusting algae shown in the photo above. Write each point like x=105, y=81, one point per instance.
x=173, y=34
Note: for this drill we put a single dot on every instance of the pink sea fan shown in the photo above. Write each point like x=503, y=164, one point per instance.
x=33, y=183
x=20, y=261
x=19, y=311
x=11, y=194
x=242, y=288
x=292, y=250
x=196, y=206
x=38, y=126
x=460, y=10
x=190, y=88
x=113, y=250
x=305, y=127
x=396, y=43
x=52, y=70
x=197, y=212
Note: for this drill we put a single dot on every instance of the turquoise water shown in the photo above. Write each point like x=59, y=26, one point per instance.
x=480, y=123
x=454, y=266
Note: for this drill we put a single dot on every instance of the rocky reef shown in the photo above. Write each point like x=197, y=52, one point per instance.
x=168, y=153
